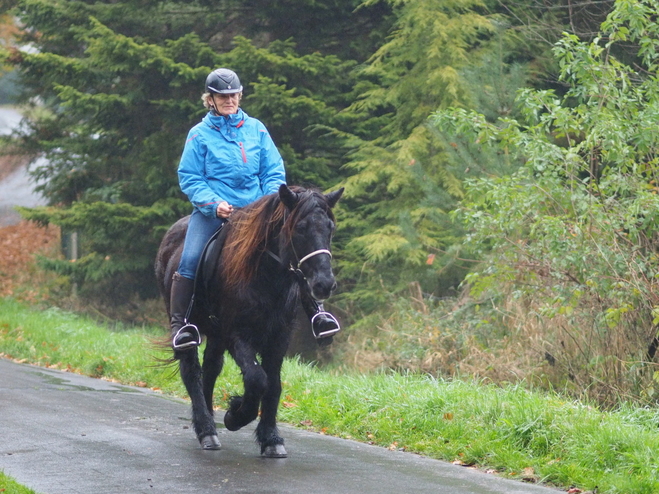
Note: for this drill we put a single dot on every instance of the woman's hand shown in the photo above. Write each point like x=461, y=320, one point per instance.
x=224, y=210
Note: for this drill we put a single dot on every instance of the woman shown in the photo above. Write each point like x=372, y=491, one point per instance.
x=229, y=160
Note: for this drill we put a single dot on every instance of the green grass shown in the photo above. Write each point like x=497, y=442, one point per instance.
x=10, y=486
x=518, y=433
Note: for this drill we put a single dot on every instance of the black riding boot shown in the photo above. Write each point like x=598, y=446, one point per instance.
x=323, y=324
x=184, y=334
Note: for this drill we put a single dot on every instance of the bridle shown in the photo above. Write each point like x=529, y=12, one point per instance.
x=310, y=255
x=297, y=270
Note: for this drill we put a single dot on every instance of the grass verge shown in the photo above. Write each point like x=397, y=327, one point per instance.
x=10, y=486
x=509, y=430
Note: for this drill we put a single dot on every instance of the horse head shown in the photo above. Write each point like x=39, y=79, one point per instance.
x=310, y=227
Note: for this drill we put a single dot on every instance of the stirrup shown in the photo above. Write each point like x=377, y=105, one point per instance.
x=331, y=327
x=192, y=330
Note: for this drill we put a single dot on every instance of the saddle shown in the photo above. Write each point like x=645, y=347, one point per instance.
x=208, y=262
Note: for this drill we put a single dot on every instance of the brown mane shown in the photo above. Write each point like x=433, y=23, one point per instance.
x=251, y=229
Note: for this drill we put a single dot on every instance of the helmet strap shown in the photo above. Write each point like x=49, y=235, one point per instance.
x=212, y=105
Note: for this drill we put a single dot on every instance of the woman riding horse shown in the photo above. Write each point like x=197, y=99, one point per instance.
x=229, y=160
x=274, y=249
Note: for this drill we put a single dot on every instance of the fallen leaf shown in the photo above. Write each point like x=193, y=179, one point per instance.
x=528, y=475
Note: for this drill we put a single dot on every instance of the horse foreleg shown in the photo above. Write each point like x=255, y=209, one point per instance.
x=202, y=419
x=267, y=434
x=211, y=368
x=244, y=409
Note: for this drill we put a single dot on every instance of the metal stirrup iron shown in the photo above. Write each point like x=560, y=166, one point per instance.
x=331, y=327
x=193, y=331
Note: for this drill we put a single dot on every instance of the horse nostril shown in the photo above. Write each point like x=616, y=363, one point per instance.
x=323, y=289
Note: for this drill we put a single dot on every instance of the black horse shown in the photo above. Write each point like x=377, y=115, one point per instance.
x=273, y=249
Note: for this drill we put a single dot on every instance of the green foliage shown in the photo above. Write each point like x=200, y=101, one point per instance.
x=344, y=87
x=405, y=178
x=572, y=232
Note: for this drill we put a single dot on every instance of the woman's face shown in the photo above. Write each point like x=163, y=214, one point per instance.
x=226, y=104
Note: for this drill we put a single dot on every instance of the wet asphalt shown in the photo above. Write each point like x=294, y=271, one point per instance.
x=62, y=433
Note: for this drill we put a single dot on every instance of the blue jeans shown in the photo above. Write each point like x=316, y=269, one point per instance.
x=200, y=230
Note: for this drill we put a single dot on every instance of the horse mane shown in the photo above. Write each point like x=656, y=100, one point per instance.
x=252, y=228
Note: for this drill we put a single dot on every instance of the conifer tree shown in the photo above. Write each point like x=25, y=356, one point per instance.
x=118, y=87
x=402, y=184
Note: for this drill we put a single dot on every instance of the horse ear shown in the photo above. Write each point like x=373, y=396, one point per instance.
x=333, y=197
x=288, y=197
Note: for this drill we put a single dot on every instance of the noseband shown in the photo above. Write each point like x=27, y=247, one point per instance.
x=296, y=270
x=309, y=256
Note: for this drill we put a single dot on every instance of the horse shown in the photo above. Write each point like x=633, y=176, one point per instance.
x=272, y=249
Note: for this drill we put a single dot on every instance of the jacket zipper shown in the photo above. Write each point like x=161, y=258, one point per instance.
x=242, y=150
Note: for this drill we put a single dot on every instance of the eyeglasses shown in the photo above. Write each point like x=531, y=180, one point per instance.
x=228, y=96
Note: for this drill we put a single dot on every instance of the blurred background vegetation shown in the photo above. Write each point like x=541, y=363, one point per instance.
x=499, y=160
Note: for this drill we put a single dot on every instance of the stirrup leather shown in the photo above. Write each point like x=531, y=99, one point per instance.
x=330, y=328
x=187, y=328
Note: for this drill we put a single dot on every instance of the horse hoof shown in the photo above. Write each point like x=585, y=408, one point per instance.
x=210, y=442
x=276, y=451
x=230, y=423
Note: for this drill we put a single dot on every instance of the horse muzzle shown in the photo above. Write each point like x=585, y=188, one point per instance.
x=322, y=286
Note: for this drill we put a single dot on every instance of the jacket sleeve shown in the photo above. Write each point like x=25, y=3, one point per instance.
x=192, y=176
x=271, y=169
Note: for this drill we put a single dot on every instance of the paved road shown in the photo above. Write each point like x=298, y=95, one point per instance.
x=62, y=433
x=9, y=119
x=17, y=189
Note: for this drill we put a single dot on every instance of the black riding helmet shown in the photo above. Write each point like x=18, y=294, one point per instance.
x=223, y=81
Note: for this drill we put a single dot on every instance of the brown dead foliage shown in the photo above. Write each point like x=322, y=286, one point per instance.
x=18, y=246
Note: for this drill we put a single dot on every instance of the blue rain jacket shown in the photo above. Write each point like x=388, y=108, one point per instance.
x=229, y=159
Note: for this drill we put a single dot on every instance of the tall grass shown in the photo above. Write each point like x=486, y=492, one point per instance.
x=509, y=430
x=504, y=340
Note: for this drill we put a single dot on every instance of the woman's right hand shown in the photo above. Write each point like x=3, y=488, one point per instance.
x=224, y=210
